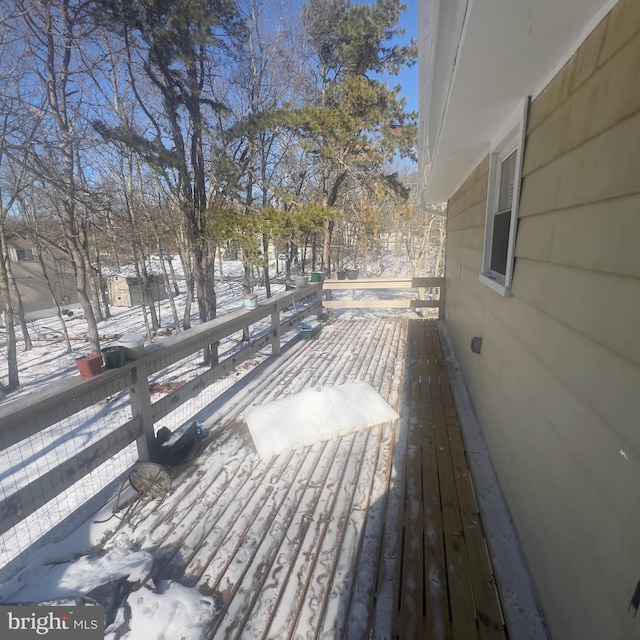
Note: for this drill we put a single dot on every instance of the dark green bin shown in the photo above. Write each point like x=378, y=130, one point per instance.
x=113, y=357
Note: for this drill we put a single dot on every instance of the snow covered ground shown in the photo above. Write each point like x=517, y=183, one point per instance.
x=49, y=361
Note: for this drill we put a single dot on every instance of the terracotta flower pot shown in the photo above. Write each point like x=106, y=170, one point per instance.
x=89, y=365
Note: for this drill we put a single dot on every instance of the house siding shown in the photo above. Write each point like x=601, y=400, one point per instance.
x=30, y=281
x=556, y=384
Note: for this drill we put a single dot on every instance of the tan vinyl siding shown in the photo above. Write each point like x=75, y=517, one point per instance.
x=556, y=386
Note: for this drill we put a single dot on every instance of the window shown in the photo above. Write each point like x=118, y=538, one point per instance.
x=505, y=164
x=25, y=255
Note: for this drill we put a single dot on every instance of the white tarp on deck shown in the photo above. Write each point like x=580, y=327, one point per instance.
x=319, y=413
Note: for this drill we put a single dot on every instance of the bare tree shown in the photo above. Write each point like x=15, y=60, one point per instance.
x=17, y=125
x=53, y=31
x=28, y=209
x=265, y=74
x=176, y=44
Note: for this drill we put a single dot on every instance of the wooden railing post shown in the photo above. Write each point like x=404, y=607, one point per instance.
x=141, y=408
x=327, y=299
x=276, y=329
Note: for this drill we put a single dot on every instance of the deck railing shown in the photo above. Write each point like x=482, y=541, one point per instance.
x=433, y=296
x=66, y=447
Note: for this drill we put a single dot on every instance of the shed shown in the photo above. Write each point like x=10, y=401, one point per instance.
x=125, y=291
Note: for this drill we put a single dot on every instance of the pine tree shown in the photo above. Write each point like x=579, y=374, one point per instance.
x=357, y=123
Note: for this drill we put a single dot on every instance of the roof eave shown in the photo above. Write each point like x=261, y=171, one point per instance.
x=478, y=60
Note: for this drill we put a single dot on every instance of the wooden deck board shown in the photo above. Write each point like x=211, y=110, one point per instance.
x=460, y=599
x=374, y=534
x=438, y=621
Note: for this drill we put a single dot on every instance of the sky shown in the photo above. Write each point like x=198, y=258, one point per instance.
x=408, y=78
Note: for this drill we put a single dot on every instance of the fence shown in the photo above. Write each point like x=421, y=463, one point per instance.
x=64, y=452
x=433, y=298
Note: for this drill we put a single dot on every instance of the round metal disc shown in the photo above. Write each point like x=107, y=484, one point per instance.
x=150, y=478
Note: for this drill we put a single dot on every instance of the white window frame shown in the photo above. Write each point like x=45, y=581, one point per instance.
x=501, y=148
x=15, y=252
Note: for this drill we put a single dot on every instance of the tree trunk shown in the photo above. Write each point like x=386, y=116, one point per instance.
x=12, y=354
x=45, y=273
x=326, y=248
x=83, y=298
x=21, y=317
x=265, y=263
x=102, y=296
x=185, y=258
x=80, y=272
x=56, y=34
x=167, y=283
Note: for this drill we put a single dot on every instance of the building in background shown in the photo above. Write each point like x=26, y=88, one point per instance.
x=126, y=291
x=36, y=295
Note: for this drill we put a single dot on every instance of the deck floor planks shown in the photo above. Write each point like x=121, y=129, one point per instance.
x=437, y=606
x=410, y=589
x=340, y=566
x=254, y=579
x=461, y=602
x=313, y=571
x=386, y=603
x=323, y=578
x=228, y=525
x=354, y=567
x=309, y=544
x=460, y=599
x=355, y=364
x=488, y=611
x=365, y=599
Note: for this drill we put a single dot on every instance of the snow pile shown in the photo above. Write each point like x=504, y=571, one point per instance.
x=173, y=612
x=76, y=578
x=315, y=414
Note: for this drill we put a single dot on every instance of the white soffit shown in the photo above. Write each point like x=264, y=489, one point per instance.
x=507, y=49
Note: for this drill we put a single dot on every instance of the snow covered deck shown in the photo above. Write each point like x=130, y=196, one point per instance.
x=373, y=534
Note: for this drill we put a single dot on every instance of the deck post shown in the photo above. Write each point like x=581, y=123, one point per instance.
x=327, y=298
x=141, y=408
x=276, y=329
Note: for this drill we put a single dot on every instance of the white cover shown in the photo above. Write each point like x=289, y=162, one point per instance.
x=319, y=413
